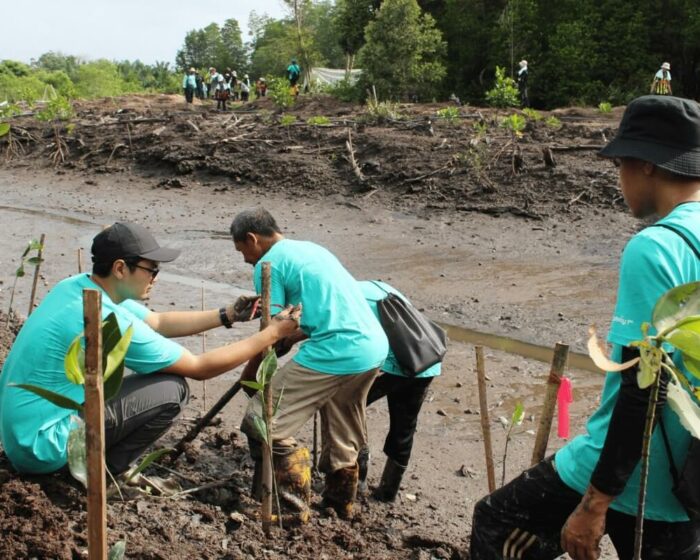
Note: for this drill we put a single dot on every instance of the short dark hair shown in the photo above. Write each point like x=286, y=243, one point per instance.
x=104, y=269
x=256, y=220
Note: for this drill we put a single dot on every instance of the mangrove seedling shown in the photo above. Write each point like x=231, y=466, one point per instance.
x=25, y=260
x=515, y=420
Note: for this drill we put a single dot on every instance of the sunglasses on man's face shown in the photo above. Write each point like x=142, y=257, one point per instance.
x=154, y=271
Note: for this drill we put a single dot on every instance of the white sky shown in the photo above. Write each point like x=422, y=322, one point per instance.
x=147, y=30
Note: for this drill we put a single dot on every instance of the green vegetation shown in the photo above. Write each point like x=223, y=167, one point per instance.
x=279, y=91
x=403, y=54
x=288, y=120
x=504, y=92
x=449, y=114
x=532, y=115
x=25, y=260
x=318, y=121
x=605, y=107
x=515, y=123
x=553, y=122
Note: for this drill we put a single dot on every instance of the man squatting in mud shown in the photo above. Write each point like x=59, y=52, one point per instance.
x=591, y=486
x=332, y=371
x=126, y=257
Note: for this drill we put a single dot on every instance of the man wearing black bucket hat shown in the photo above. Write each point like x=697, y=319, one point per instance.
x=590, y=487
x=126, y=257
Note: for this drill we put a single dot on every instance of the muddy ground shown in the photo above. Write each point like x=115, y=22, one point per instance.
x=461, y=215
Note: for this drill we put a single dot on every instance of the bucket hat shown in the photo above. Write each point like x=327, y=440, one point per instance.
x=123, y=240
x=665, y=66
x=662, y=130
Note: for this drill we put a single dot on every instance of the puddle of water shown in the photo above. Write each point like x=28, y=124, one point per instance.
x=54, y=216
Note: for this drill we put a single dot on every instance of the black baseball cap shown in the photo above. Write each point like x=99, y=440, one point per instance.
x=662, y=130
x=124, y=240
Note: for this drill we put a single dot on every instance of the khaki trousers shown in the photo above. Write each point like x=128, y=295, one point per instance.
x=341, y=401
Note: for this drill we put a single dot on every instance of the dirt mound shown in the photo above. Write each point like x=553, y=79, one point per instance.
x=409, y=157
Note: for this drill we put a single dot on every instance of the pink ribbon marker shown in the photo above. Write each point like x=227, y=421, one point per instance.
x=565, y=397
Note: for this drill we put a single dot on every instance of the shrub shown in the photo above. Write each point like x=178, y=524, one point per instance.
x=279, y=91
x=288, y=120
x=553, y=122
x=515, y=123
x=318, y=121
x=504, y=92
x=605, y=107
x=532, y=114
x=449, y=114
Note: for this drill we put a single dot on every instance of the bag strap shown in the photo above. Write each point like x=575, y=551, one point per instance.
x=376, y=283
x=667, y=445
x=682, y=235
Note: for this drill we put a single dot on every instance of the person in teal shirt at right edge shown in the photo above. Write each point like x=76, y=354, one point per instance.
x=405, y=395
x=589, y=488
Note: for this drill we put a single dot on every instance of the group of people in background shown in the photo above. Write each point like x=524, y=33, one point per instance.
x=221, y=87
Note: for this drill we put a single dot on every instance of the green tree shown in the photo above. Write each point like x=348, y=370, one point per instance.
x=351, y=19
x=403, y=55
x=100, y=78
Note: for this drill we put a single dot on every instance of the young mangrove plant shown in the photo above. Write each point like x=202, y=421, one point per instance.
x=25, y=260
x=114, y=347
x=57, y=111
x=516, y=419
x=676, y=322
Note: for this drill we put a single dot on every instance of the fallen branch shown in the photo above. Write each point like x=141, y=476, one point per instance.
x=426, y=175
x=352, y=160
x=576, y=147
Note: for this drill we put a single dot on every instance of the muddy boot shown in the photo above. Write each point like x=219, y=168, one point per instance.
x=341, y=490
x=293, y=476
x=363, y=458
x=391, y=481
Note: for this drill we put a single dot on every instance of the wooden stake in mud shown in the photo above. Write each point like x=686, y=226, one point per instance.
x=267, y=472
x=561, y=353
x=80, y=261
x=36, y=274
x=484, y=412
x=204, y=349
x=95, y=427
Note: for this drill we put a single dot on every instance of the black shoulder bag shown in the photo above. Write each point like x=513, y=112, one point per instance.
x=686, y=484
x=416, y=341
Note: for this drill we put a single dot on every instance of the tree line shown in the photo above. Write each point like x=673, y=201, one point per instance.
x=579, y=51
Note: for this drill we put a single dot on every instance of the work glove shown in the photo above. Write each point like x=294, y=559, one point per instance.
x=245, y=308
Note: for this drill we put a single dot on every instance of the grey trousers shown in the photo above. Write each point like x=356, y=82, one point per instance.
x=143, y=411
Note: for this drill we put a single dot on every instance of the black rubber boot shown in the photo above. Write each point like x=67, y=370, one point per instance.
x=391, y=481
x=363, y=458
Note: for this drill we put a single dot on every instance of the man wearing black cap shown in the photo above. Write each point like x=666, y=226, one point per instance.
x=34, y=432
x=591, y=486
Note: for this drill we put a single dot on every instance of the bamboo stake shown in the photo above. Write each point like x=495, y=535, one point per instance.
x=204, y=349
x=95, y=427
x=36, y=274
x=484, y=413
x=267, y=473
x=561, y=353
x=80, y=261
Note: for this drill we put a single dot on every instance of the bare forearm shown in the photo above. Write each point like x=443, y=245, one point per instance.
x=172, y=324
x=223, y=359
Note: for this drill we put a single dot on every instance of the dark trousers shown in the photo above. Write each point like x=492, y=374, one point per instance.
x=144, y=410
x=405, y=397
x=189, y=94
x=524, y=520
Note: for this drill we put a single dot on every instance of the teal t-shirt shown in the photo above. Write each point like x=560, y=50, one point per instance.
x=344, y=337
x=654, y=261
x=34, y=432
x=373, y=292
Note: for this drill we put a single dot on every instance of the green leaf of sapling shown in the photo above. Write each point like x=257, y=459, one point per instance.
x=676, y=304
